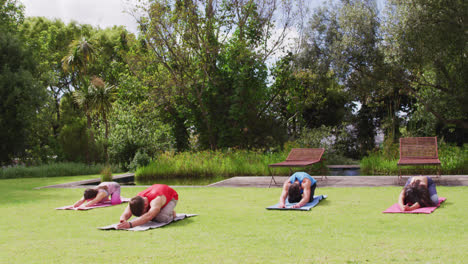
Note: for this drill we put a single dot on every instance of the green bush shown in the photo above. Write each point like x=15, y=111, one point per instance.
x=141, y=159
x=52, y=170
x=106, y=174
x=454, y=160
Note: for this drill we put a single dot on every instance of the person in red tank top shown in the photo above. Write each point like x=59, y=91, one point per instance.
x=156, y=203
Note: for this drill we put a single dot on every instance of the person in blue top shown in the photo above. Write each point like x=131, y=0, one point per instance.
x=299, y=188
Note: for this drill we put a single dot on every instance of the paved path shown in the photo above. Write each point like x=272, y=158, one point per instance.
x=264, y=181
x=84, y=183
x=338, y=181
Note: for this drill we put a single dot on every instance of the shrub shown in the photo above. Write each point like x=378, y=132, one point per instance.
x=453, y=161
x=141, y=159
x=52, y=170
x=106, y=174
x=209, y=164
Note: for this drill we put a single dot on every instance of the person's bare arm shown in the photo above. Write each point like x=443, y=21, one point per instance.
x=284, y=194
x=99, y=197
x=155, y=208
x=413, y=207
x=79, y=202
x=126, y=214
x=401, y=201
x=305, y=196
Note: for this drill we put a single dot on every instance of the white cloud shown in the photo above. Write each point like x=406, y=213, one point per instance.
x=102, y=13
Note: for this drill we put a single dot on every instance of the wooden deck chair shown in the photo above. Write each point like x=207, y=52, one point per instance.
x=418, y=151
x=300, y=157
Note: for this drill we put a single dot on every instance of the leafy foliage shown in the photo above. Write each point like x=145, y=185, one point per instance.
x=58, y=169
x=136, y=128
x=430, y=53
x=20, y=95
x=384, y=162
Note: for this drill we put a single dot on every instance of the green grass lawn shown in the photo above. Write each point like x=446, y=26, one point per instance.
x=232, y=227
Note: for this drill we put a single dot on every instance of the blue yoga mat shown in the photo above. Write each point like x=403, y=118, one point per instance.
x=306, y=207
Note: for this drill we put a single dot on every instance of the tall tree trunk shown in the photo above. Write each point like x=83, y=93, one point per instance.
x=91, y=136
x=107, y=137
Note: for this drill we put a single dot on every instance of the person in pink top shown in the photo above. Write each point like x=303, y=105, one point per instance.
x=156, y=203
x=100, y=193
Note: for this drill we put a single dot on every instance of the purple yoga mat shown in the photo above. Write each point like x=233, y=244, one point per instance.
x=423, y=210
x=98, y=205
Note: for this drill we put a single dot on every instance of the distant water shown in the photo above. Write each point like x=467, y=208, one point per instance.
x=344, y=172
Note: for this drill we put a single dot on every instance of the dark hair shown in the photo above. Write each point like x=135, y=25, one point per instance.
x=424, y=196
x=137, y=205
x=416, y=193
x=90, y=193
x=294, y=193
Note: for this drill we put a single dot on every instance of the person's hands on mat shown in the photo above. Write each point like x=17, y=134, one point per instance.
x=123, y=225
x=83, y=206
x=298, y=205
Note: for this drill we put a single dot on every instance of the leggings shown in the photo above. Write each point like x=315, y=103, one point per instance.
x=431, y=187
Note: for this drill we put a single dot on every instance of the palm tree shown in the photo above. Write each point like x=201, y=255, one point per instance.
x=97, y=99
x=83, y=100
x=81, y=53
x=101, y=98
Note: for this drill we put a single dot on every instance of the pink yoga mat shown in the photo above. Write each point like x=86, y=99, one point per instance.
x=98, y=205
x=423, y=210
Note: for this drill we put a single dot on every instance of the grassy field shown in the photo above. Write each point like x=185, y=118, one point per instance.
x=232, y=227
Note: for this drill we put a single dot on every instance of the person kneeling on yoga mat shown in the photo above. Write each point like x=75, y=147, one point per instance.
x=419, y=191
x=156, y=203
x=100, y=193
x=299, y=188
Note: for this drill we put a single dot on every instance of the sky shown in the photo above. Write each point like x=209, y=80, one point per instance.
x=102, y=13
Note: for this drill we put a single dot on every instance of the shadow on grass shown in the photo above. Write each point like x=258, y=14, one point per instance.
x=183, y=222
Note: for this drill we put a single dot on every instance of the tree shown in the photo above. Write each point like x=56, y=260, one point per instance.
x=426, y=44
x=49, y=39
x=98, y=98
x=20, y=97
x=73, y=137
x=81, y=53
x=137, y=128
x=307, y=97
x=340, y=65
x=212, y=55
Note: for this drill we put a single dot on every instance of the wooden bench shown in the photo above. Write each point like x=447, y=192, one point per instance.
x=300, y=157
x=418, y=151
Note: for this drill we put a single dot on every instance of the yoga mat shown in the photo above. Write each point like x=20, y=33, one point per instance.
x=149, y=225
x=98, y=205
x=306, y=207
x=423, y=210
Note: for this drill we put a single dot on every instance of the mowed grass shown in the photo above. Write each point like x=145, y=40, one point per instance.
x=232, y=227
